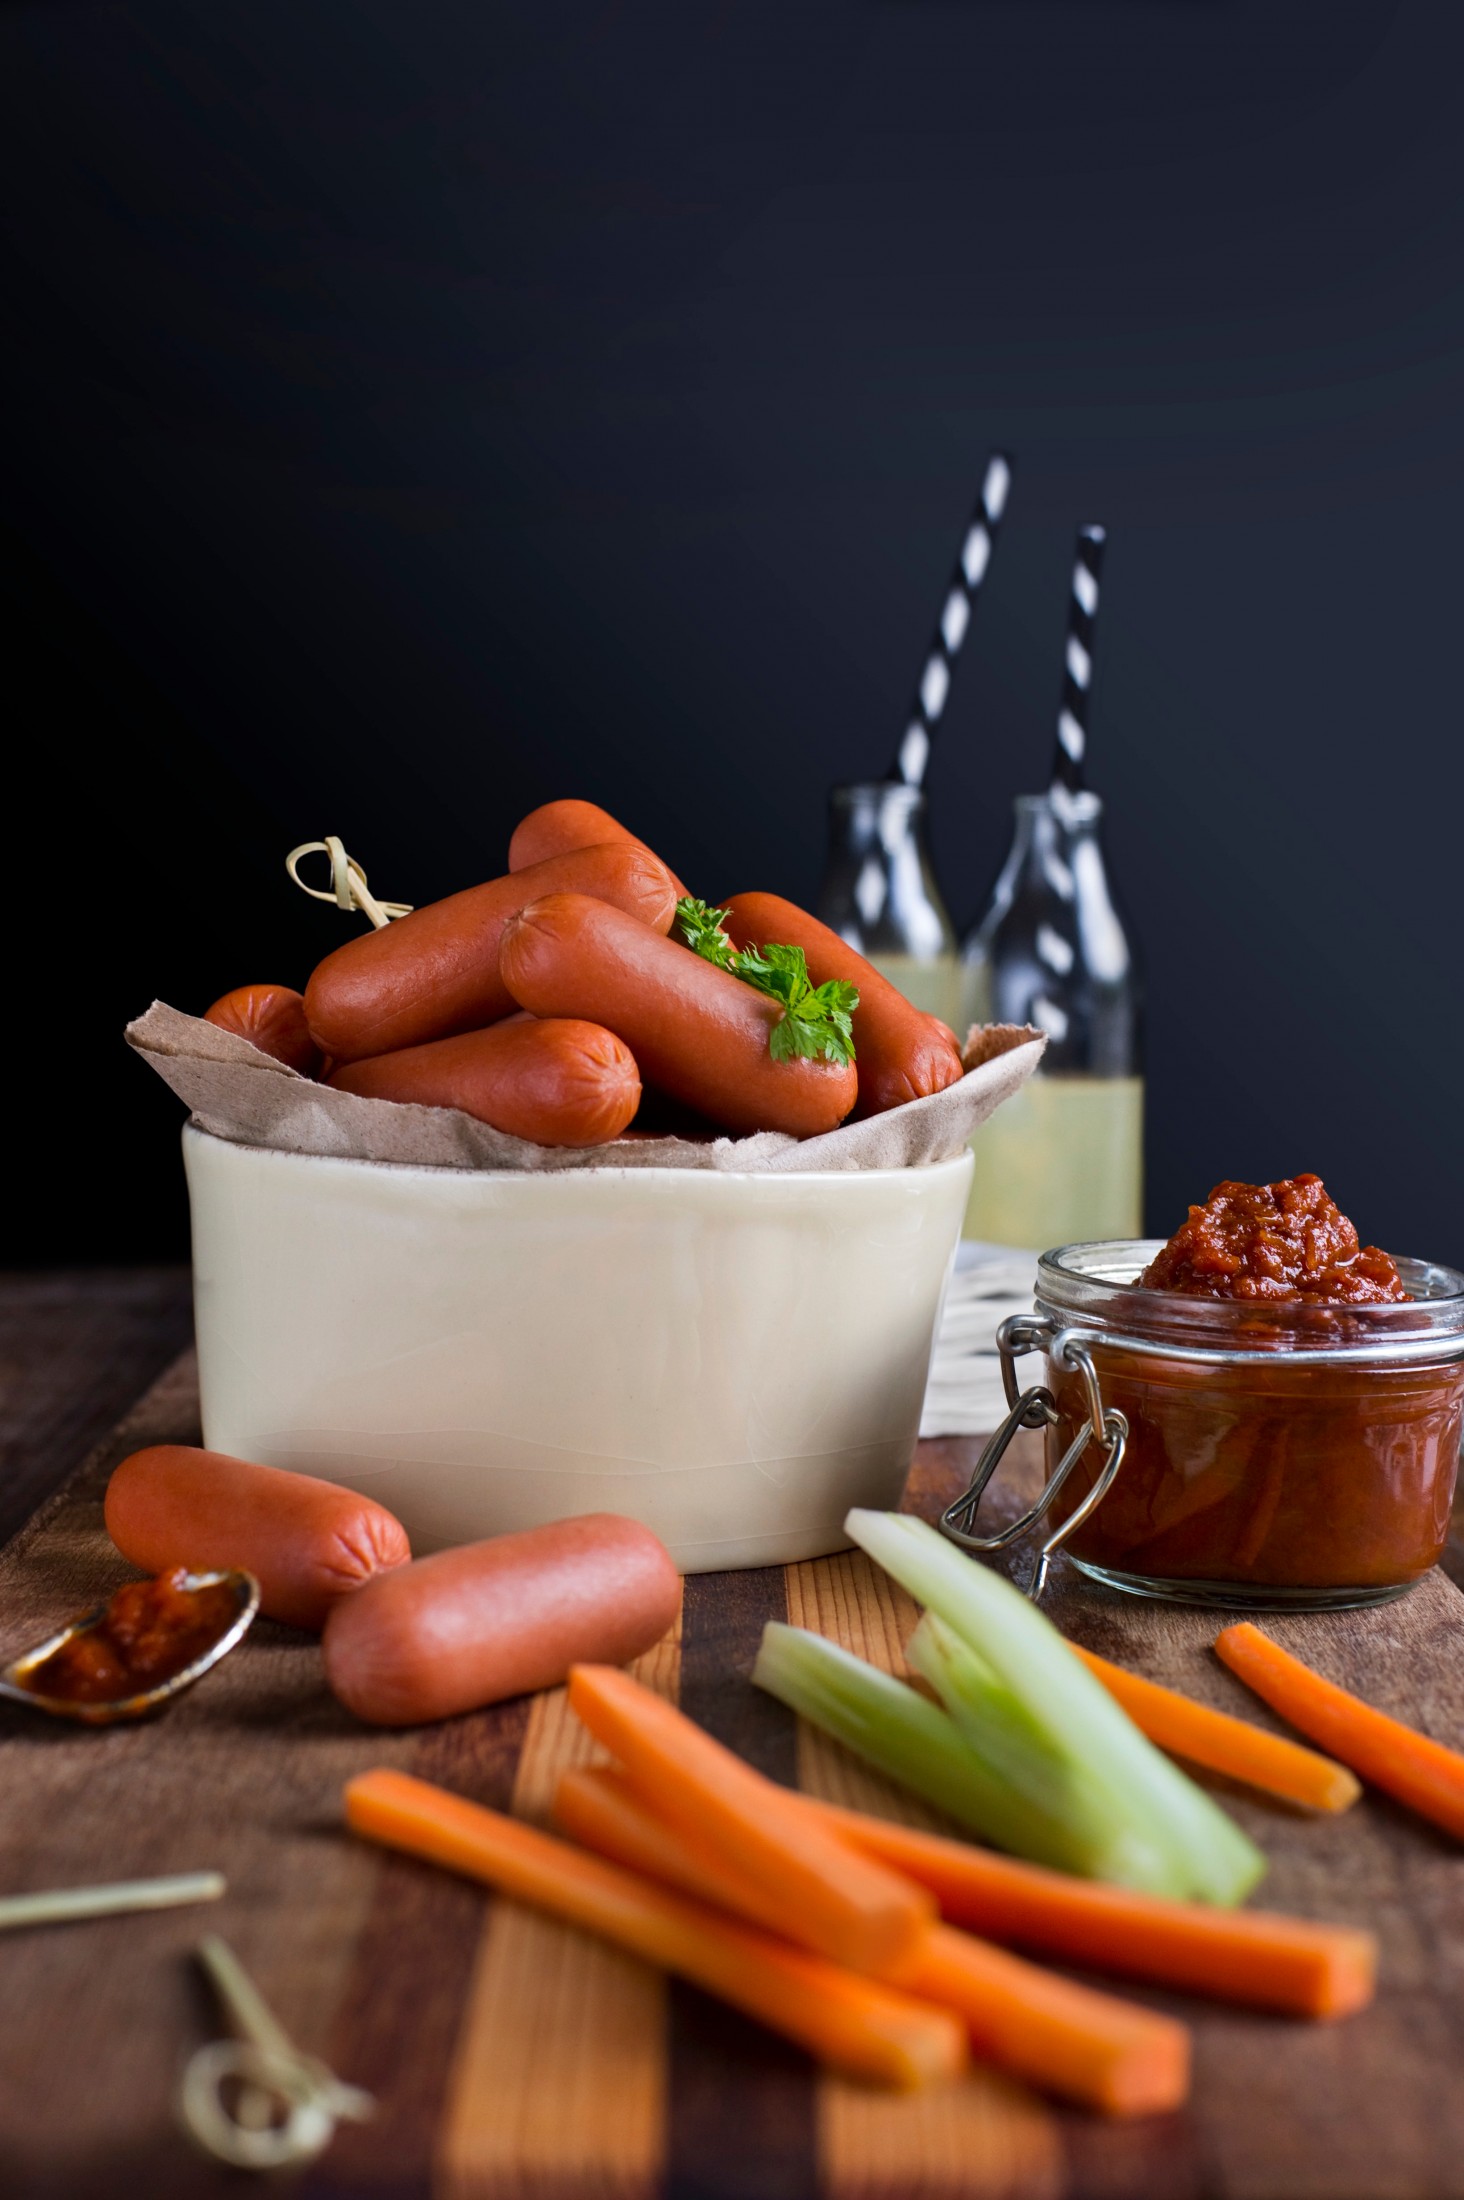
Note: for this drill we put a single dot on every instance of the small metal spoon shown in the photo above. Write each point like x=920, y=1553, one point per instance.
x=12, y=1676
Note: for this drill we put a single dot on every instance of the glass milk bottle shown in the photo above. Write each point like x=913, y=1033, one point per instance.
x=879, y=893
x=1062, y=1160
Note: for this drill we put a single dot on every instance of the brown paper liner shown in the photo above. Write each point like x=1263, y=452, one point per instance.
x=238, y=1093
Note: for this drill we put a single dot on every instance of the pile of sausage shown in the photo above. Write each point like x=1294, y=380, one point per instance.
x=405, y=1640
x=554, y=1004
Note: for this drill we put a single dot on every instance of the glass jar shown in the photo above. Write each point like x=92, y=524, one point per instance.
x=1243, y=1453
x=1063, y=1158
x=879, y=893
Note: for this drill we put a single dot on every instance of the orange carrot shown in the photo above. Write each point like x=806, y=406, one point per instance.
x=604, y=1811
x=1415, y=1769
x=1063, y=2038
x=1222, y=1744
x=842, y=1904
x=870, y=2030
x=1066, y=2039
x=1252, y=1956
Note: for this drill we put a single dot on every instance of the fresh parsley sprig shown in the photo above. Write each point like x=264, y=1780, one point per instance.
x=817, y=1020
x=701, y=930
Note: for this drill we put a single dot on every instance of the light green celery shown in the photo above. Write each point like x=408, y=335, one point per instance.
x=1214, y=1860
x=1015, y=1746
x=914, y=1741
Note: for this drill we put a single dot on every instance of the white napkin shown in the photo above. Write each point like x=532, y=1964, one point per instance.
x=964, y=1395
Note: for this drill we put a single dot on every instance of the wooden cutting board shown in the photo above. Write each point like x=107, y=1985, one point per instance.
x=516, y=2059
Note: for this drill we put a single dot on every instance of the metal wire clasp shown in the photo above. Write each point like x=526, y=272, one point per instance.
x=1037, y=1408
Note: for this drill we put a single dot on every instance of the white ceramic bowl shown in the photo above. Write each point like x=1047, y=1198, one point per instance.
x=733, y=1359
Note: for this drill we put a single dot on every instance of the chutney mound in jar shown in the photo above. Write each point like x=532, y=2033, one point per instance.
x=1273, y=1241
x=1293, y=1443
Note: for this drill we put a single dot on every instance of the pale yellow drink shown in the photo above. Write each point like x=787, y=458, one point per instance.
x=1063, y=1159
x=934, y=983
x=1059, y=1162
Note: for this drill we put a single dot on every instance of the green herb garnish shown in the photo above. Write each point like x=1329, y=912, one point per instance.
x=816, y=1018
x=701, y=930
x=816, y=1022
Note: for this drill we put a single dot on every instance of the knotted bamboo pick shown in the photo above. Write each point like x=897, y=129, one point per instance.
x=348, y=888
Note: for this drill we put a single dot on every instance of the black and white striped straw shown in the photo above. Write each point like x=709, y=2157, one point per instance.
x=965, y=585
x=1077, y=667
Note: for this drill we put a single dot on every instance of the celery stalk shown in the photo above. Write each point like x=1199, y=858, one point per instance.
x=886, y=1723
x=1015, y=1746
x=1211, y=1859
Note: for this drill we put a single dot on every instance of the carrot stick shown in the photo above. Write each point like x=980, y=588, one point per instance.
x=1066, y=2039
x=867, y=2029
x=1415, y=1769
x=605, y=1811
x=1063, y=2038
x=1222, y=1744
x=832, y=1899
x=1252, y=1956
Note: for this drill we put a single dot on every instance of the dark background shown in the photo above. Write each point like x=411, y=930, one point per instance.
x=416, y=412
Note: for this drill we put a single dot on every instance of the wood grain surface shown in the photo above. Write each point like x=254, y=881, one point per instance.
x=77, y=1346
x=516, y=2059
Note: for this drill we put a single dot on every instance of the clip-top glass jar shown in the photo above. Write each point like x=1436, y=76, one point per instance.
x=1238, y=1452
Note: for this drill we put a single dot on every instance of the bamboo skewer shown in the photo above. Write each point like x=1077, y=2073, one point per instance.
x=60, y=1905
x=348, y=888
